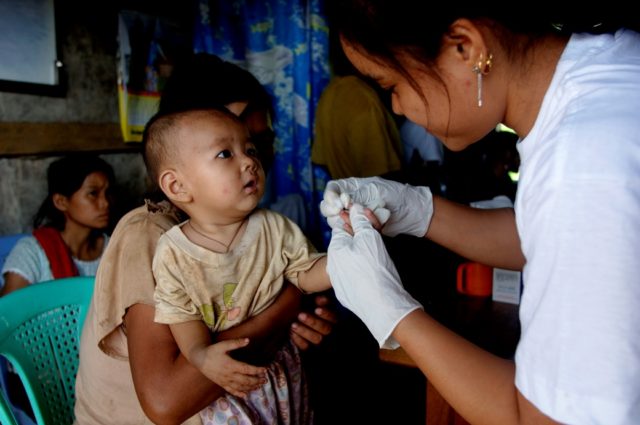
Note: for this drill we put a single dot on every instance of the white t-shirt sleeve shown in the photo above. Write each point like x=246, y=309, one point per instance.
x=27, y=259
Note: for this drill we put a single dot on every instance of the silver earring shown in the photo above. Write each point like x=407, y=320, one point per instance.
x=476, y=69
x=482, y=67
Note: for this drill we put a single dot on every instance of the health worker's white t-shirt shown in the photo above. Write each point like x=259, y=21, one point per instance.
x=578, y=216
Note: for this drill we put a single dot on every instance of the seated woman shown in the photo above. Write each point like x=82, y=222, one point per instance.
x=68, y=237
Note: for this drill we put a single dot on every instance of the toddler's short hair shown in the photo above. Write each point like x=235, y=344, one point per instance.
x=160, y=136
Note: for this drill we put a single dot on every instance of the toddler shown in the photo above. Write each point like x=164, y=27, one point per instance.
x=227, y=262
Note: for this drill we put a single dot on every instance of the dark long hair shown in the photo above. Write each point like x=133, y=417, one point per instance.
x=65, y=176
x=382, y=27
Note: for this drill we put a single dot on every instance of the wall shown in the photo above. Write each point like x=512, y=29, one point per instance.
x=35, y=130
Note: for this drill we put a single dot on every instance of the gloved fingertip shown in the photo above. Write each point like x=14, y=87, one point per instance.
x=330, y=194
x=382, y=214
x=340, y=238
x=335, y=221
x=329, y=209
x=345, y=200
x=347, y=228
x=332, y=186
x=356, y=209
x=359, y=220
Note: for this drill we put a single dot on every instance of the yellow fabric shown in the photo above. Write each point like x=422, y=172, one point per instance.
x=355, y=135
x=224, y=289
x=104, y=388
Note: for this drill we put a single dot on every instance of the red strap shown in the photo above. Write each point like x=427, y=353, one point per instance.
x=57, y=252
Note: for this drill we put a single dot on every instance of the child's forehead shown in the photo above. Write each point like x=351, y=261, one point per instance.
x=211, y=114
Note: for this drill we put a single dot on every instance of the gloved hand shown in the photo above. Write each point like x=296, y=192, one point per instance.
x=411, y=207
x=334, y=202
x=365, y=280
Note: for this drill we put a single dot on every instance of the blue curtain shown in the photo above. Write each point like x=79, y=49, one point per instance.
x=284, y=43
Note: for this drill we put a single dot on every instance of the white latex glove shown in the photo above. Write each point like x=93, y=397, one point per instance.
x=365, y=280
x=336, y=201
x=411, y=207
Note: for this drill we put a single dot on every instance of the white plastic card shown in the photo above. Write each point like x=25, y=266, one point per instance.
x=506, y=286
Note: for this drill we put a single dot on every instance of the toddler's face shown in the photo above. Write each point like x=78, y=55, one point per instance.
x=220, y=165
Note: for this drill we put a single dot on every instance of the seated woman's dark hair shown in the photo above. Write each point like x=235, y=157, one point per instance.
x=205, y=81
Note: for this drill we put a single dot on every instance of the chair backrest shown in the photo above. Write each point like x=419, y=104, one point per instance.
x=40, y=328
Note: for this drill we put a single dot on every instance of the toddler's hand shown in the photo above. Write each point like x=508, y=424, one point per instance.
x=234, y=376
x=377, y=219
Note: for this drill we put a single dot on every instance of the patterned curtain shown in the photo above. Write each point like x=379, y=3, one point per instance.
x=284, y=43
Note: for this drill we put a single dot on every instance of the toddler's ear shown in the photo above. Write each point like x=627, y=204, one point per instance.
x=170, y=183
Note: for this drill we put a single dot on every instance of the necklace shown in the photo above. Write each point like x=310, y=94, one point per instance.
x=226, y=246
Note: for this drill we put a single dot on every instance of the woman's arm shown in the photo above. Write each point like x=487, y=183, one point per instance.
x=214, y=359
x=169, y=388
x=487, y=236
x=25, y=264
x=477, y=384
x=13, y=282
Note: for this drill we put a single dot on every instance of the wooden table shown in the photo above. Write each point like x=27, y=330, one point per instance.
x=493, y=326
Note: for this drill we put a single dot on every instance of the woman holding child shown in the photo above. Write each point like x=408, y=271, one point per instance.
x=131, y=370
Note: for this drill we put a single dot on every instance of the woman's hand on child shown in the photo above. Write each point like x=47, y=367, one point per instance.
x=311, y=328
x=236, y=377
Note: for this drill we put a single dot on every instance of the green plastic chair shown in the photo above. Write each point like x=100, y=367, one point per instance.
x=40, y=328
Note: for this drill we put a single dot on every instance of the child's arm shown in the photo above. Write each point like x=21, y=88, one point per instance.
x=213, y=360
x=316, y=278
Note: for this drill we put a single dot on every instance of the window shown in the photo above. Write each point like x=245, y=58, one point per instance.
x=29, y=48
